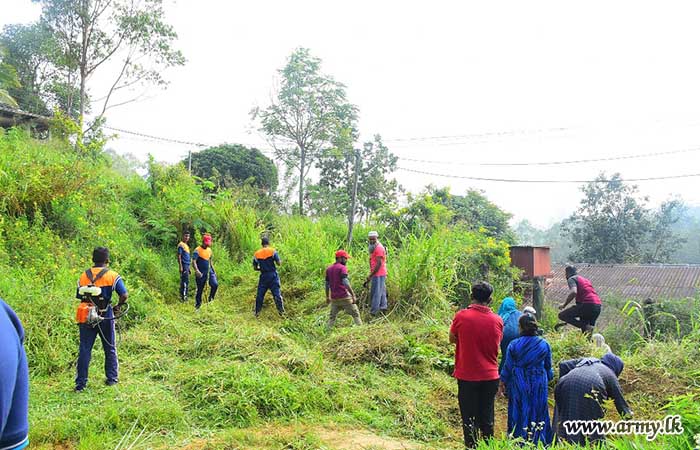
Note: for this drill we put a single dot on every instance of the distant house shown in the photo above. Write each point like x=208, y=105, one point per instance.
x=13, y=117
x=630, y=281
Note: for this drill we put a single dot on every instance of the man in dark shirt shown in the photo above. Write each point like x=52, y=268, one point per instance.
x=584, y=385
x=266, y=261
x=339, y=293
x=183, y=260
x=477, y=332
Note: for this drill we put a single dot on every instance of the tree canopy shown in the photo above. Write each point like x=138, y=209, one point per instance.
x=309, y=114
x=231, y=165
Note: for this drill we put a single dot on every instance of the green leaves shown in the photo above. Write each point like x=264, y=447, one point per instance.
x=309, y=115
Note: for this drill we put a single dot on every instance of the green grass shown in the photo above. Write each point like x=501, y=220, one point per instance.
x=219, y=378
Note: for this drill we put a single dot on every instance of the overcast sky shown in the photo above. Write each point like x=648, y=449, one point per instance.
x=516, y=81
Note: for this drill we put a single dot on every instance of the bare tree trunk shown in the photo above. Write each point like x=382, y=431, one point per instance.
x=302, y=166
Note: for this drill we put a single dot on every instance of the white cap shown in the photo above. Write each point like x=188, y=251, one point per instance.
x=529, y=310
x=373, y=234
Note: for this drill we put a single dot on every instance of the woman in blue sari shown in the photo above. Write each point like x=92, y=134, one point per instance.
x=510, y=315
x=526, y=372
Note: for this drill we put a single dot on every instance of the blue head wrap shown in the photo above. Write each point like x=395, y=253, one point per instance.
x=507, y=308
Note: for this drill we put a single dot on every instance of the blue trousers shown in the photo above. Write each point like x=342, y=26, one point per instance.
x=184, y=280
x=269, y=281
x=107, y=335
x=377, y=295
x=213, y=286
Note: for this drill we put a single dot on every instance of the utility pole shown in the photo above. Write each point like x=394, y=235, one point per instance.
x=189, y=165
x=353, y=203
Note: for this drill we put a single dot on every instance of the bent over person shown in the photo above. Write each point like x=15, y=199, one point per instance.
x=583, y=387
x=108, y=282
x=14, y=382
x=339, y=293
x=477, y=332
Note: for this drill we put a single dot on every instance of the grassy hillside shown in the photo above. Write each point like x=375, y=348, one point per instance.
x=219, y=378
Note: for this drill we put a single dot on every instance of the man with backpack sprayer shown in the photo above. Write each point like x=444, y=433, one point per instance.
x=96, y=316
x=204, y=270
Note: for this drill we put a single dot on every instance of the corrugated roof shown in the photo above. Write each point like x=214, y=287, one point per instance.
x=631, y=281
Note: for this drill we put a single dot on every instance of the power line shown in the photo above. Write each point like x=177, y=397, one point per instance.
x=477, y=135
x=506, y=180
x=158, y=138
x=554, y=163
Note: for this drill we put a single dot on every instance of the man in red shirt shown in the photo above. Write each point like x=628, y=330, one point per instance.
x=339, y=293
x=377, y=275
x=477, y=332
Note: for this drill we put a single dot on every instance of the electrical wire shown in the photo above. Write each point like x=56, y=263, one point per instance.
x=506, y=180
x=553, y=163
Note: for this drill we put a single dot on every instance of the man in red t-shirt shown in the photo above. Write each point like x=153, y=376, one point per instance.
x=377, y=275
x=477, y=331
x=339, y=293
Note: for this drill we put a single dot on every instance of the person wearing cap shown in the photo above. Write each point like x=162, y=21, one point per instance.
x=477, y=333
x=183, y=260
x=588, y=305
x=525, y=375
x=266, y=261
x=204, y=270
x=108, y=281
x=339, y=293
x=14, y=382
x=377, y=275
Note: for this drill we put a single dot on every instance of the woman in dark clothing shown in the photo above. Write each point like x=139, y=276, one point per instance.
x=526, y=372
x=583, y=386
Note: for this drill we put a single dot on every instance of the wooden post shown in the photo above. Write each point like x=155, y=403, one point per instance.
x=353, y=203
x=538, y=296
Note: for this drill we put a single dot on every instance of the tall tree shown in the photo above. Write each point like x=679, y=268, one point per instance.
x=376, y=189
x=309, y=113
x=34, y=52
x=612, y=223
x=128, y=37
x=8, y=80
x=663, y=241
x=231, y=165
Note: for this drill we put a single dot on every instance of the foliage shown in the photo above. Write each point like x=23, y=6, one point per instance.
x=33, y=50
x=192, y=380
x=663, y=242
x=131, y=39
x=476, y=212
x=555, y=237
x=310, y=113
x=8, y=80
x=235, y=165
x=375, y=191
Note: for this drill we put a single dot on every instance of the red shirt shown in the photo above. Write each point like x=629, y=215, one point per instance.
x=380, y=252
x=479, y=331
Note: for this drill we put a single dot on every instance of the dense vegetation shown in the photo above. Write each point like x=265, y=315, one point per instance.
x=221, y=379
